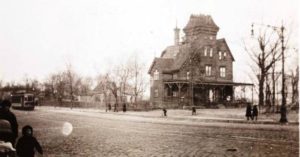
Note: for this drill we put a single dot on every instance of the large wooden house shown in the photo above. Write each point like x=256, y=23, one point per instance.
x=195, y=71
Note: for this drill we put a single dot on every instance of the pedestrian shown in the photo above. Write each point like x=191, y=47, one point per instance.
x=193, y=110
x=109, y=107
x=6, y=114
x=249, y=111
x=28, y=143
x=165, y=112
x=255, y=113
x=124, y=107
x=115, y=107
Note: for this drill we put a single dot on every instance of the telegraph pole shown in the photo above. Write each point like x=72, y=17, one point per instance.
x=280, y=31
x=283, y=111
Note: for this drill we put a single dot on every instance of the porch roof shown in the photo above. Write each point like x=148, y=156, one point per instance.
x=213, y=83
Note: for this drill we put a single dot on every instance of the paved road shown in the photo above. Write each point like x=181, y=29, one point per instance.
x=110, y=134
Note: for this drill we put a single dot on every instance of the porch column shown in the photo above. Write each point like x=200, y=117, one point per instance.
x=170, y=87
x=252, y=94
x=222, y=93
x=179, y=85
x=233, y=93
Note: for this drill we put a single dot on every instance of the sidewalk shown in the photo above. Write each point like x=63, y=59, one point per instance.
x=203, y=115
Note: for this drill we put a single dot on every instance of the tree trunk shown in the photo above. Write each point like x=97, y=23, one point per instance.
x=273, y=89
x=261, y=90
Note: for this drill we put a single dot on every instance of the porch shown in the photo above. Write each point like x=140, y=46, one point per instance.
x=201, y=94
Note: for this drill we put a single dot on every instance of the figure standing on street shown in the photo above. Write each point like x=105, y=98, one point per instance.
x=6, y=114
x=109, y=107
x=254, y=112
x=249, y=111
x=115, y=107
x=193, y=110
x=124, y=107
x=28, y=143
x=165, y=112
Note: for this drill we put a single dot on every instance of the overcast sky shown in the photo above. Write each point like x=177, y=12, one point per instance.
x=37, y=37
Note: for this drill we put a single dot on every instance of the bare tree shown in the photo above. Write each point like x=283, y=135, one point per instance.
x=295, y=82
x=59, y=87
x=123, y=72
x=138, y=82
x=71, y=79
x=84, y=85
x=264, y=54
x=102, y=85
x=112, y=85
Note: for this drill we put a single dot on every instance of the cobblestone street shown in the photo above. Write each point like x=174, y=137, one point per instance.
x=111, y=134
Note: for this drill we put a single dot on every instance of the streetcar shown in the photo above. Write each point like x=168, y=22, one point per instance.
x=23, y=101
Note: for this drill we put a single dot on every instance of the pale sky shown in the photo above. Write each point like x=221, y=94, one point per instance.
x=38, y=36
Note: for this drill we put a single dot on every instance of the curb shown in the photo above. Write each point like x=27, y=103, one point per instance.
x=196, y=118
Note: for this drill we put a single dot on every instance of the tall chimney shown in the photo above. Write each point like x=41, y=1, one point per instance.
x=176, y=35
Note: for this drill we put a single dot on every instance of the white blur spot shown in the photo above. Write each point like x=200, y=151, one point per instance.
x=67, y=129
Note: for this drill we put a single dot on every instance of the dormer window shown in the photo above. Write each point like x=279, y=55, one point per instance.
x=188, y=75
x=220, y=55
x=211, y=52
x=205, y=51
x=225, y=54
x=156, y=75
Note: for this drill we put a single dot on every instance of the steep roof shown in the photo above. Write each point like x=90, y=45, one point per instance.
x=170, y=51
x=200, y=21
x=162, y=63
x=169, y=65
x=182, y=56
x=221, y=42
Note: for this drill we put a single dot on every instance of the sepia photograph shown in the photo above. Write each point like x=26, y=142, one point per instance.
x=160, y=78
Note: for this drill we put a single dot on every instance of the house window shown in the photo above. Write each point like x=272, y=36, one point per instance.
x=156, y=93
x=222, y=71
x=208, y=70
x=225, y=54
x=174, y=76
x=188, y=75
x=211, y=37
x=220, y=55
x=156, y=75
x=205, y=51
x=175, y=94
x=211, y=52
x=151, y=81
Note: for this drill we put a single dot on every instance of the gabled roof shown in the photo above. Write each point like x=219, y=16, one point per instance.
x=221, y=42
x=163, y=63
x=182, y=56
x=170, y=51
x=200, y=21
x=169, y=65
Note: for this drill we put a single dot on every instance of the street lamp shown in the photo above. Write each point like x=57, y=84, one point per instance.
x=280, y=31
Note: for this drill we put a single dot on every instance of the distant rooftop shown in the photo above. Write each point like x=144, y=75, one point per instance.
x=200, y=21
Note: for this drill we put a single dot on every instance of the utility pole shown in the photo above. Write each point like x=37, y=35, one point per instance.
x=283, y=111
x=280, y=31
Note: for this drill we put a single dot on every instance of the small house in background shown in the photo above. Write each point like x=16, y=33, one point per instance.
x=106, y=97
x=196, y=71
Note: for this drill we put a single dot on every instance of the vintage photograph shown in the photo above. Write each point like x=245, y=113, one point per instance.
x=160, y=78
